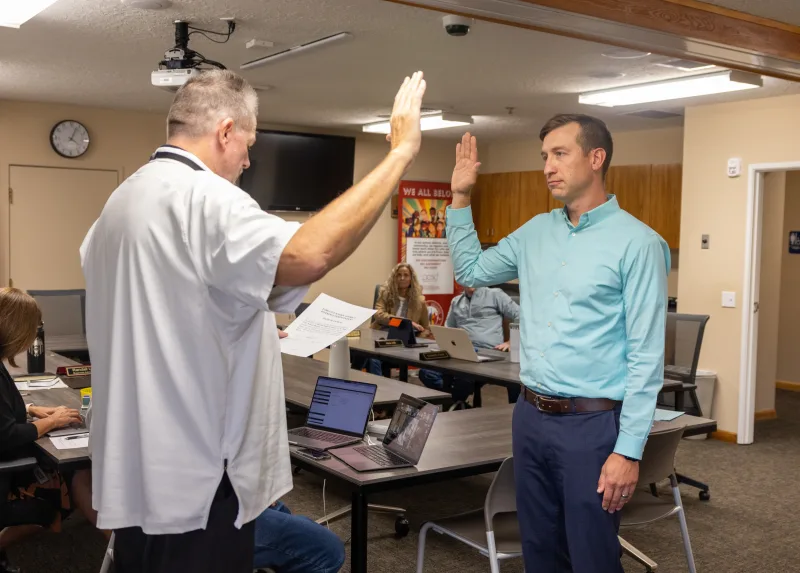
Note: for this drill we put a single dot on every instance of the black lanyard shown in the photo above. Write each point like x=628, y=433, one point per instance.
x=176, y=157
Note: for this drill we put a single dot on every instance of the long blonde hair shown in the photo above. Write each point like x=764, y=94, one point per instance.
x=390, y=295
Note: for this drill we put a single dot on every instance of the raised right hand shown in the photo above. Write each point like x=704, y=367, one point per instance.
x=465, y=173
x=63, y=417
x=406, y=136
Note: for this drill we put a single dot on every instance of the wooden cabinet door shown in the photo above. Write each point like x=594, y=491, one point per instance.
x=506, y=203
x=482, y=213
x=665, y=202
x=631, y=185
x=534, y=196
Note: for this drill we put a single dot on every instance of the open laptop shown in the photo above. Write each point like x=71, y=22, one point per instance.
x=338, y=414
x=458, y=345
x=403, y=443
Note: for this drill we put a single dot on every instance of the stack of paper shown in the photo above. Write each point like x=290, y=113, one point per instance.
x=39, y=384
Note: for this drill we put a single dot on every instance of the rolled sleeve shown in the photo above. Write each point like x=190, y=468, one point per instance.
x=645, y=304
x=473, y=266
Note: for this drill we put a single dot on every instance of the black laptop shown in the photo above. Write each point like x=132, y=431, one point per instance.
x=403, y=329
x=338, y=414
x=403, y=443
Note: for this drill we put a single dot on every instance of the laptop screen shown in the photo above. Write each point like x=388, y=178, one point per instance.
x=409, y=428
x=341, y=405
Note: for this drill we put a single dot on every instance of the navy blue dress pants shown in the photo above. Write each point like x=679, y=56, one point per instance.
x=557, y=463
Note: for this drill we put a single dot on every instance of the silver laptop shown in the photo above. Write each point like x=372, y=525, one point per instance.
x=458, y=345
x=338, y=414
x=403, y=443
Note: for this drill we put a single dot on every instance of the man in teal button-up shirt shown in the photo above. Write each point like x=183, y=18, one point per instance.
x=593, y=296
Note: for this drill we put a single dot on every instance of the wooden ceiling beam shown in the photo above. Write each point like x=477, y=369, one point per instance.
x=678, y=28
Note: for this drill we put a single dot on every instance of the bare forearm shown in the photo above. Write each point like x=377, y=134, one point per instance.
x=461, y=200
x=332, y=235
x=44, y=425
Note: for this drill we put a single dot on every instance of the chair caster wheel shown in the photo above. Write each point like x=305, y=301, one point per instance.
x=705, y=496
x=401, y=527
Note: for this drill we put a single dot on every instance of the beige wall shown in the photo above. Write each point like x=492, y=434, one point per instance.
x=788, y=363
x=123, y=141
x=758, y=131
x=630, y=148
x=770, y=290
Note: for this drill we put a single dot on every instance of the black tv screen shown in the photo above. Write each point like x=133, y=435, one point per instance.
x=298, y=171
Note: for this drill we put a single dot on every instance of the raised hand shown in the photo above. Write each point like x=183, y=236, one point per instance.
x=465, y=173
x=406, y=136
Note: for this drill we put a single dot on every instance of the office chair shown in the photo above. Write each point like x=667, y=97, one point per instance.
x=108, y=559
x=493, y=530
x=376, y=294
x=63, y=311
x=684, y=339
x=658, y=463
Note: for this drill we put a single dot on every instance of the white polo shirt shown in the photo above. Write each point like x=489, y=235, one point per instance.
x=186, y=366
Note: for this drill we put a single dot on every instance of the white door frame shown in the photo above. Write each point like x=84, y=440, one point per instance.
x=752, y=266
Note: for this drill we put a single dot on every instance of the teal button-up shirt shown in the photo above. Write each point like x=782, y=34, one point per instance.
x=593, y=301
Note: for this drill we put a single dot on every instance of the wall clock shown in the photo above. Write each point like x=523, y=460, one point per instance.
x=69, y=138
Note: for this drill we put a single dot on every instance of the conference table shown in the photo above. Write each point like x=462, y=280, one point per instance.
x=299, y=376
x=462, y=443
x=502, y=372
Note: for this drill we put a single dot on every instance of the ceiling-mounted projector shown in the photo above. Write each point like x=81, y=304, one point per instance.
x=180, y=63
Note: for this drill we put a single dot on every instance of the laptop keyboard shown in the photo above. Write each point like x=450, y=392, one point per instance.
x=321, y=435
x=380, y=456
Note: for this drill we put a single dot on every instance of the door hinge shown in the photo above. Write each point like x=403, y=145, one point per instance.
x=10, y=196
x=11, y=283
x=755, y=307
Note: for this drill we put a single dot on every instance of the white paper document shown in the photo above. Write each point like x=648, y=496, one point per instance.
x=71, y=442
x=324, y=322
x=41, y=384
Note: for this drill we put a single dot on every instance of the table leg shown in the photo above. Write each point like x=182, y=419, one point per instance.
x=404, y=373
x=477, y=402
x=358, y=533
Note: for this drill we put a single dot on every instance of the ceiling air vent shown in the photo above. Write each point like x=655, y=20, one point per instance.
x=685, y=65
x=654, y=114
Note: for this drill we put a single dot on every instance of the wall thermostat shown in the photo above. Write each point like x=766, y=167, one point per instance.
x=734, y=167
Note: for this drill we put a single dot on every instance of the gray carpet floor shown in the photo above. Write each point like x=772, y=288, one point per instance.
x=750, y=524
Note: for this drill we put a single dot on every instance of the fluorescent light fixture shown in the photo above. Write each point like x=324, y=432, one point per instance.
x=427, y=122
x=706, y=84
x=296, y=50
x=15, y=13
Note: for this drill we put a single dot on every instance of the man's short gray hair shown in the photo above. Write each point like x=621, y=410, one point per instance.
x=209, y=98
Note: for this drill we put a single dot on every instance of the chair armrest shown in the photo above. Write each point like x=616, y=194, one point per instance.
x=18, y=465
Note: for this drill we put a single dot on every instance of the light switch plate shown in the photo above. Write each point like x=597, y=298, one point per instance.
x=734, y=167
x=728, y=299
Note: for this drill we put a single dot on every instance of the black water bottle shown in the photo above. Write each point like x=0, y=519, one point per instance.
x=36, y=352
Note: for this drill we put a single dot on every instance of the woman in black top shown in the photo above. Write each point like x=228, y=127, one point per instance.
x=26, y=503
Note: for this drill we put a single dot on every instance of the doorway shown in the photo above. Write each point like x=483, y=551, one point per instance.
x=761, y=180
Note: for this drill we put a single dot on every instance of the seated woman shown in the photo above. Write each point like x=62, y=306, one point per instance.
x=401, y=295
x=29, y=504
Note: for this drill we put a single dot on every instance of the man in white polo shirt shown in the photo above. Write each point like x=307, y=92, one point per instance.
x=183, y=272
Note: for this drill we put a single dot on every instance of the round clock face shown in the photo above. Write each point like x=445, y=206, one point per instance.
x=69, y=139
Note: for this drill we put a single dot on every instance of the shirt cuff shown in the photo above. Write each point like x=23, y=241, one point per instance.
x=630, y=446
x=458, y=217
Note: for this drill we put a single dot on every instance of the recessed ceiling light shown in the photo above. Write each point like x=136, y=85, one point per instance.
x=427, y=122
x=705, y=84
x=15, y=14
x=607, y=75
x=624, y=54
x=148, y=4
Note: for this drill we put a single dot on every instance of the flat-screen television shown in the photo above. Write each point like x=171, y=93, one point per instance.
x=298, y=171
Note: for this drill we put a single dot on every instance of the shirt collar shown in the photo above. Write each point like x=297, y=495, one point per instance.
x=596, y=215
x=179, y=151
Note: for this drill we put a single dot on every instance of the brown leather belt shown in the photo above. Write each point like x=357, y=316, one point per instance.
x=553, y=405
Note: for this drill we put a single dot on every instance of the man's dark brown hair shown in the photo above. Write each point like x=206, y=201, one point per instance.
x=594, y=134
